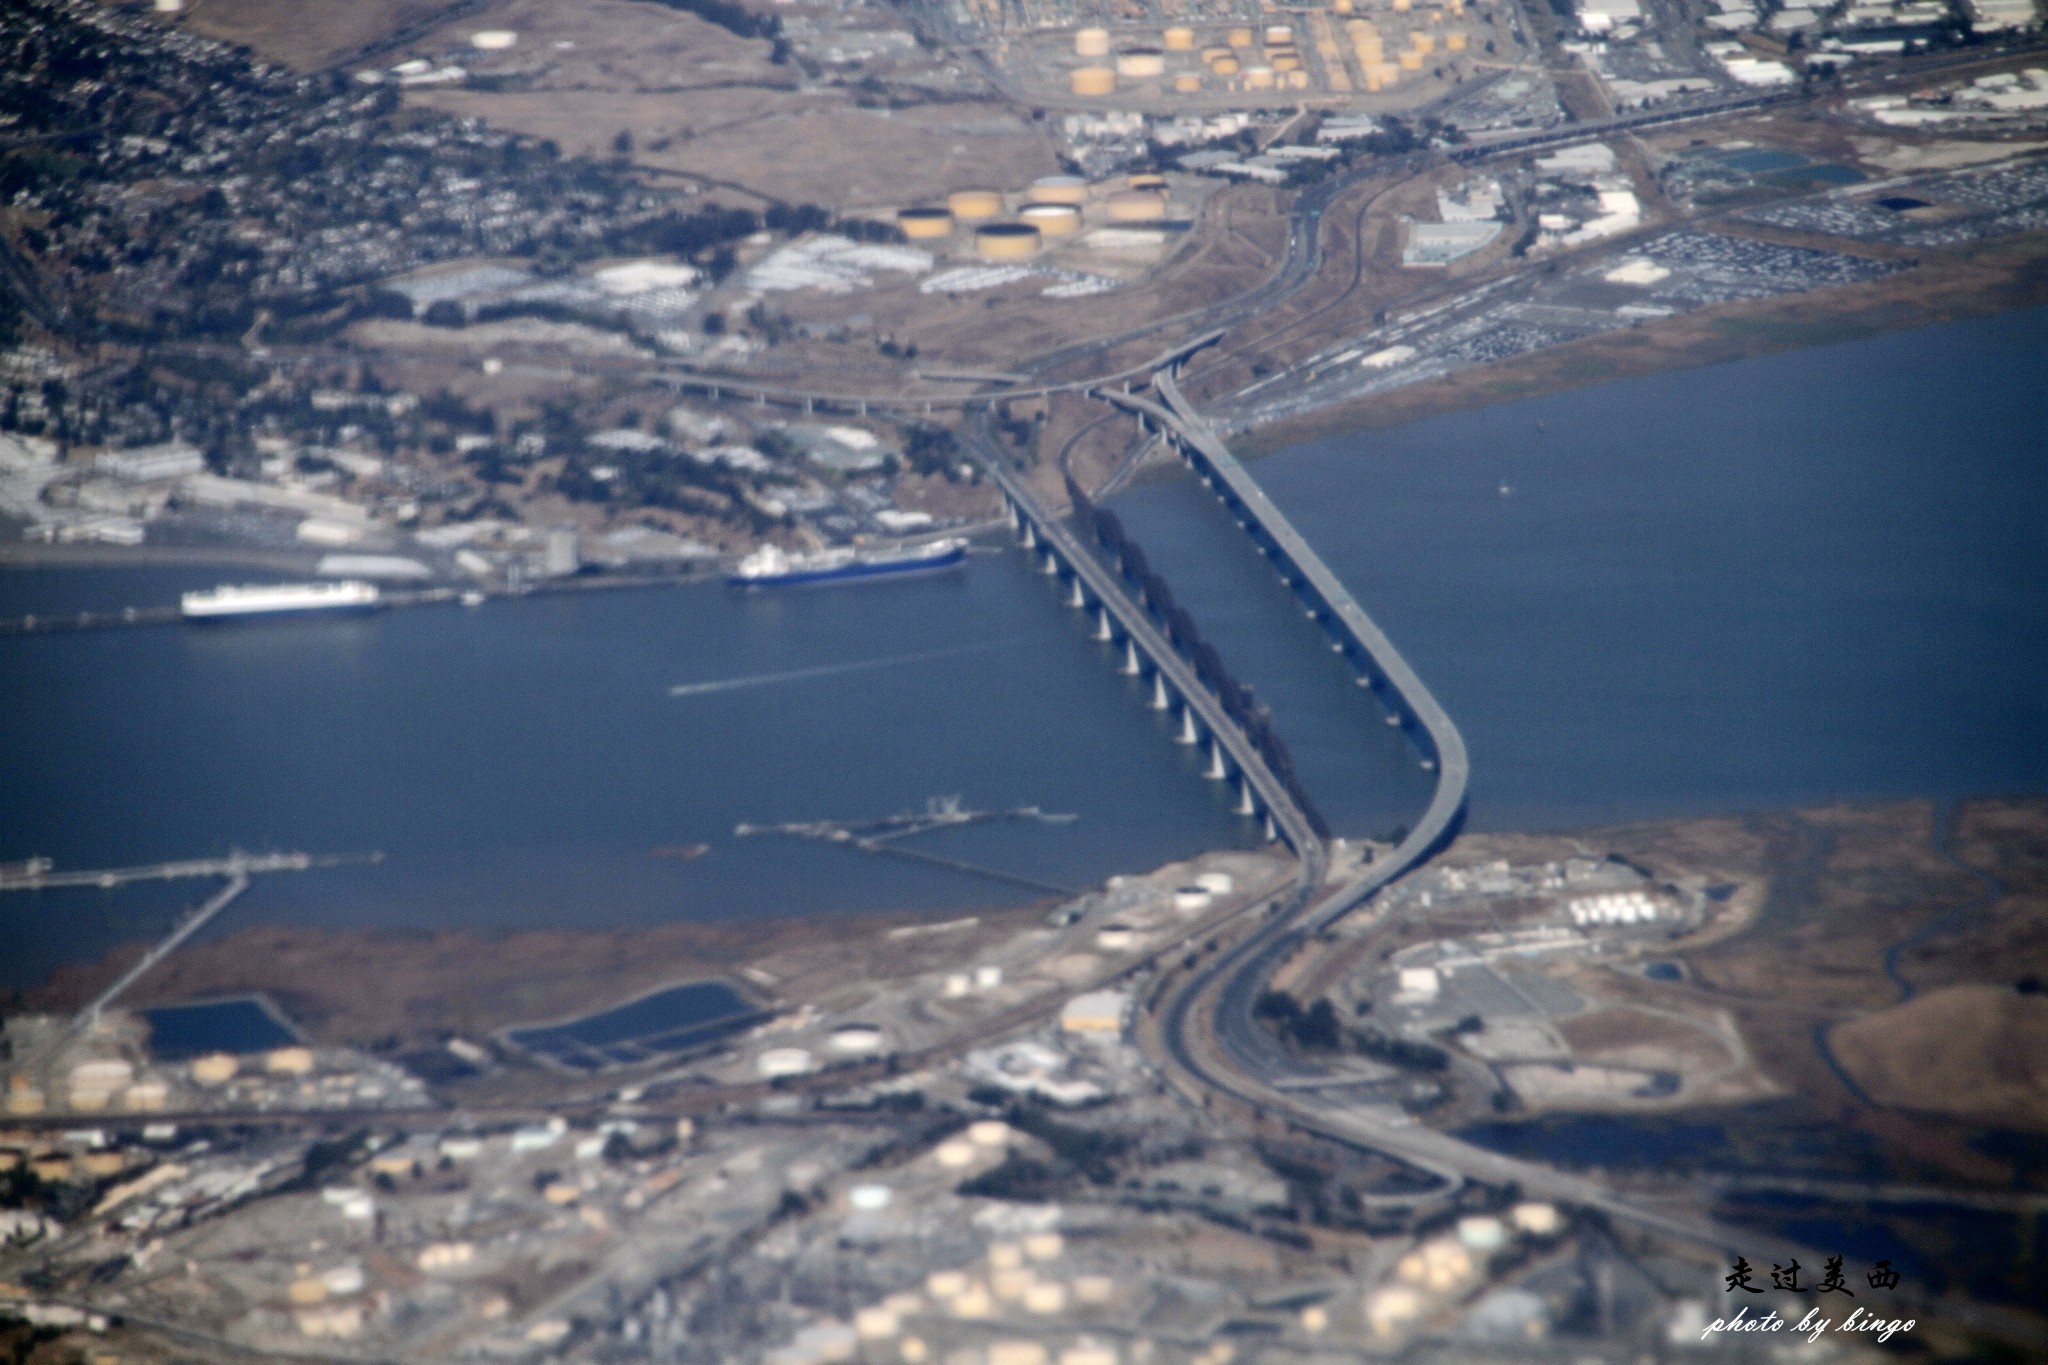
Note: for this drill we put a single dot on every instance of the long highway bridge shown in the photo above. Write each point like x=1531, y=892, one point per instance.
x=1206, y=1022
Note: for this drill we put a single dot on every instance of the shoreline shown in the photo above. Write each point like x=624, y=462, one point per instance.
x=2010, y=275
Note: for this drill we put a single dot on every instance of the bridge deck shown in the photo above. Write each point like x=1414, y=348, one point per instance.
x=1152, y=642
x=1445, y=745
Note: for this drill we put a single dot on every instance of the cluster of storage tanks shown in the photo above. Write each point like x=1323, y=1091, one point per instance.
x=1383, y=66
x=1052, y=207
x=1447, y=1267
x=1268, y=58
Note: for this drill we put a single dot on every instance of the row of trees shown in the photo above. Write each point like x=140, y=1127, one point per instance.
x=1251, y=715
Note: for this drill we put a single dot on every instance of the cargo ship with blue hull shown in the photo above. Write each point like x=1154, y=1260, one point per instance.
x=773, y=567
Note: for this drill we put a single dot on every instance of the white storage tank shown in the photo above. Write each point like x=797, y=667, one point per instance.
x=783, y=1061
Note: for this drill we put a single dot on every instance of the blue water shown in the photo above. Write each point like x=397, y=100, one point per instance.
x=1805, y=576
x=1811, y=575
x=669, y=1020
x=518, y=763
x=177, y=1032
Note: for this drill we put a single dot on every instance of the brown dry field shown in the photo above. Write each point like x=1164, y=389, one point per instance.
x=702, y=103
x=369, y=987
x=303, y=36
x=1977, y=1052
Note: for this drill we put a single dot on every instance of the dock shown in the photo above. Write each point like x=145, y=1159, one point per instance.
x=39, y=874
x=878, y=837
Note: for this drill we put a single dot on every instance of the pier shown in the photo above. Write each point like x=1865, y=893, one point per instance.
x=39, y=874
x=878, y=837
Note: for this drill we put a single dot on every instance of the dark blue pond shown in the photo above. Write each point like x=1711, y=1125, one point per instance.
x=180, y=1032
x=668, y=1021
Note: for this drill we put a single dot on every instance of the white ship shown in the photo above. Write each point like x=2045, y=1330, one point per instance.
x=771, y=566
x=271, y=599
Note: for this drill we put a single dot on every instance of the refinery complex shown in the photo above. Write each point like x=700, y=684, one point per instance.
x=511, y=379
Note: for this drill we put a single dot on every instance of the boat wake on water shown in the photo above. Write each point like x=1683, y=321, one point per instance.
x=698, y=689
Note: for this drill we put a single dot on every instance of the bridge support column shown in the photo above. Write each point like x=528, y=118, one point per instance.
x=1160, y=701
x=1272, y=831
x=1052, y=564
x=1030, y=536
x=1188, y=734
x=1074, y=598
x=1217, y=772
x=1102, y=624
x=1131, y=668
x=1245, y=804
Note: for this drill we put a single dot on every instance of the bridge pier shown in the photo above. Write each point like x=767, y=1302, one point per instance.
x=1052, y=564
x=1245, y=804
x=1188, y=734
x=1102, y=631
x=1030, y=536
x=1160, y=701
x=1131, y=668
x=1074, y=598
x=1217, y=772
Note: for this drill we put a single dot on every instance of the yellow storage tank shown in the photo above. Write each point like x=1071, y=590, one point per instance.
x=1180, y=39
x=1091, y=42
x=1224, y=66
x=1258, y=78
x=974, y=206
x=1187, y=83
x=1137, y=206
x=1092, y=80
x=1240, y=37
x=1059, y=189
x=925, y=222
x=1006, y=241
x=1454, y=42
x=1052, y=220
x=1411, y=61
x=1141, y=62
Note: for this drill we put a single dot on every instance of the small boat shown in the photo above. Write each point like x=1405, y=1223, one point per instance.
x=681, y=852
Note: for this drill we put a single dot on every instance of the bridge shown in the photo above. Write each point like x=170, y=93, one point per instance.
x=1092, y=586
